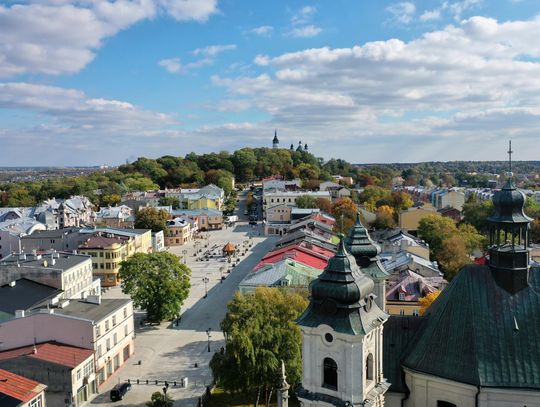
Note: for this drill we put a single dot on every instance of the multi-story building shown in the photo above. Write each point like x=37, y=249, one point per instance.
x=206, y=219
x=76, y=211
x=62, y=240
x=13, y=230
x=410, y=219
x=273, y=197
x=138, y=240
x=104, y=326
x=178, y=232
x=69, y=272
x=67, y=371
x=107, y=253
x=116, y=217
x=208, y=197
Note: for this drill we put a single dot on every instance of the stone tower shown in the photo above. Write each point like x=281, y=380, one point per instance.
x=275, y=141
x=342, y=338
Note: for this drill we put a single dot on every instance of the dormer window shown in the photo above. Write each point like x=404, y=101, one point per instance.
x=402, y=296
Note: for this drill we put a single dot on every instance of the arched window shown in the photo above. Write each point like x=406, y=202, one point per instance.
x=441, y=403
x=329, y=374
x=369, y=367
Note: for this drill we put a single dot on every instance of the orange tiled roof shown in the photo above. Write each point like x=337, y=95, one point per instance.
x=19, y=387
x=53, y=352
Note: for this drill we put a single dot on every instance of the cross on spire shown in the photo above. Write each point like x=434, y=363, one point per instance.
x=510, y=155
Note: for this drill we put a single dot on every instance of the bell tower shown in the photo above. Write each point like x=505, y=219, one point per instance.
x=342, y=338
x=509, y=236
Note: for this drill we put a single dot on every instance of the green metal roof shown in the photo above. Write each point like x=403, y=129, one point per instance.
x=478, y=333
x=342, y=298
x=509, y=203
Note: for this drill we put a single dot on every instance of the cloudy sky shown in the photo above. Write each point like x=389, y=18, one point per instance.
x=86, y=82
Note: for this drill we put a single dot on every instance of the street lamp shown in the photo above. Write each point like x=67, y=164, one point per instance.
x=184, y=252
x=205, y=281
x=208, y=334
x=207, y=239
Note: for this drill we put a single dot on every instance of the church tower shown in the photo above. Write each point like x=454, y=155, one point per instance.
x=342, y=338
x=275, y=141
x=366, y=253
x=299, y=148
x=509, y=236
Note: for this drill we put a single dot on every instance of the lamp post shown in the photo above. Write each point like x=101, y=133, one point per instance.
x=184, y=252
x=207, y=239
x=208, y=334
x=205, y=281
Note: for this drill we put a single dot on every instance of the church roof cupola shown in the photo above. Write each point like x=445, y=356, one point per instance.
x=275, y=141
x=509, y=236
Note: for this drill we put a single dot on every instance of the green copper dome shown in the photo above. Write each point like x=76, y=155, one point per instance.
x=509, y=203
x=359, y=242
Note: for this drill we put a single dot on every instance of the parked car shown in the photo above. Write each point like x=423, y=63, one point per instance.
x=119, y=391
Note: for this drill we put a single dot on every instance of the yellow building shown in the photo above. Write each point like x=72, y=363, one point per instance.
x=107, y=253
x=178, y=232
x=410, y=219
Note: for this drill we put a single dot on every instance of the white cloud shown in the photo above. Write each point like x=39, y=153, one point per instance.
x=304, y=15
x=430, y=15
x=477, y=80
x=457, y=8
x=57, y=37
x=402, y=12
x=172, y=65
x=305, y=31
x=213, y=50
x=263, y=30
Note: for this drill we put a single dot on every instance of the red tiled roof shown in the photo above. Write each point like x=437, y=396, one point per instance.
x=19, y=387
x=99, y=242
x=317, y=257
x=53, y=352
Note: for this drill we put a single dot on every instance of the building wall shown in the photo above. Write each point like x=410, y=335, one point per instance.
x=64, y=242
x=9, y=243
x=281, y=213
x=178, y=235
x=46, y=327
x=409, y=220
x=106, y=262
x=402, y=308
x=454, y=199
x=113, y=334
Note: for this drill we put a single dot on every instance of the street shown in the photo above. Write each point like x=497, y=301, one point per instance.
x=169, y=352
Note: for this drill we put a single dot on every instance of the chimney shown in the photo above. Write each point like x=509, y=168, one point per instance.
x=12, y=283
x=19, y=313
x=22, y=256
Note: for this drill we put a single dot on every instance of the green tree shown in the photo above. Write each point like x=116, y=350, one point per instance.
x=472, y=239
x=373, y=194
x=260, y=331
x=385, y=218
x=344, y=210
x=151, y=218
x=159, y=399
x=453, y=256
x=434, y=229
x=306, y=201
x=157, y=282
x=109, y=200
x=170, y=201
x=476, y=213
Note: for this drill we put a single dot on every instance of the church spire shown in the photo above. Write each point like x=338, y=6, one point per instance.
x=275, y=141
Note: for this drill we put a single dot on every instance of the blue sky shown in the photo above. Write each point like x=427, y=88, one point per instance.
x=98, y=82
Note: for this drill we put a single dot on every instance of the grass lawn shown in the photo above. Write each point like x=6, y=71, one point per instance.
x=221, y=399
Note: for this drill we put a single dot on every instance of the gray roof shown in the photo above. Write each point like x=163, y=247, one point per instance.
x=62, y=261
x=25, y=295
x=93, y=312
x=52, y=234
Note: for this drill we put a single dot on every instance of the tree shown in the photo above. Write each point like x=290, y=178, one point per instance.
x=306, y=201
x=159, y=399
x=472, y=239
x=434, y=229
x=400, y=201
x=157, y=282
x=344, y=210
x=109, y=199
x=170, y=201
x=425, y=302
x=260, y=331
x=385, y=218
x=476, y=213
x=373, y=194
x=453, y=256
x=535, y=231
x=151, y=218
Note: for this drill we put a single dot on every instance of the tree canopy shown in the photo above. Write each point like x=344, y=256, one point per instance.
x=151, y=218
x=260, y=331
x=157, y=282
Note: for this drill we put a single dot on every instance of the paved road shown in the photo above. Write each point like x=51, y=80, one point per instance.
x=169, y=352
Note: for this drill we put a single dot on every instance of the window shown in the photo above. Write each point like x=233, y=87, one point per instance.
x=330, y=379
x=88, y=369
x=329, y=338
x=441, y=403
x=402, y=296
x=37, y=402
x=125, y=312
x=98, y=331
x=79, y=374
x=108, y=344
x=369, y=367
x=401, y=312
x=114, y=320
x=99, y=351
x=415, y=313
x=125, y=330
x=115, y=339
x=107, y=325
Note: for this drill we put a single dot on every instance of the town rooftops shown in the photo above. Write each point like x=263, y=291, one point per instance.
x=24, y=294
x=116, y=231
x=91, y=311
x=101, y=242
x=15, y=389
x=52, y=234
x=304, y=252
x=22, y=226
x=294, y=272
x=62, y=260
x=413, y=286
x=197, y=212
x=52, y=352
